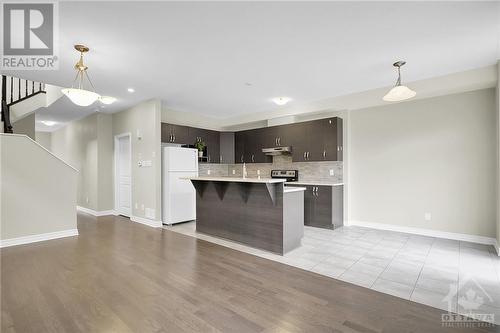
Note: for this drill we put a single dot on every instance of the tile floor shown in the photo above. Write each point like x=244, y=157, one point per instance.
x=454, y=276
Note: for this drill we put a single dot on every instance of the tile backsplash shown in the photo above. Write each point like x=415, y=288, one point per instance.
x=308, y=171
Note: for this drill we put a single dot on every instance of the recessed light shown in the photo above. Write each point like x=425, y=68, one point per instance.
x=281, y=100
x=48, y=122
x=131, y=90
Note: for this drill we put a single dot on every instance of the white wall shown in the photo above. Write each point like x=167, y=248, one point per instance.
x=37, y=190
x=436, y=155
x=146, y=181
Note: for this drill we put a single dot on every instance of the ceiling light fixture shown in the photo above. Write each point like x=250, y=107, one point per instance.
x=399, y=92
x=130, y=90
x=281, y=100
x=79, y=95
x=48, y=122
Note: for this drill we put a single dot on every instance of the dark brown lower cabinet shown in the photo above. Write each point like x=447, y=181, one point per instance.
x=323, y=206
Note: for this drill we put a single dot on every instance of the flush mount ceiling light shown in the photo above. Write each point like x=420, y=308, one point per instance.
x=48, y=122
x=77, y=93
x=131, y=90
x=281, y=100
x=399, y=92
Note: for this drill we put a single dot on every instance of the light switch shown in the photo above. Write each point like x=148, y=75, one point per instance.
x=427, y=216
x=208, y=172
x=234, y=172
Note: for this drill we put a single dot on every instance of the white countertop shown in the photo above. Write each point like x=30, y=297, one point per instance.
x=293, y=189
x=319, y=183
x=237, y=180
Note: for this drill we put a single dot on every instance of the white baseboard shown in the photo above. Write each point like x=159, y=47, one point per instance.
x=38, y=238
x=428, y=232
x=94, y=212
x=145, y=221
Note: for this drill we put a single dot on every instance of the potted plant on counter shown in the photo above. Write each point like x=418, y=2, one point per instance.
x=200, y=145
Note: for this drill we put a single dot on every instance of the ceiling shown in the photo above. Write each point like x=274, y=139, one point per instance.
x=228, y=59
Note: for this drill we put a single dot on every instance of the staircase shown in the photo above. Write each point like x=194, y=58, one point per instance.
x=21, y=98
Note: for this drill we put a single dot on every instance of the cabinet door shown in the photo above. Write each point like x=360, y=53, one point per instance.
x=180, y=134
x=333, y=139
x=340, y=139
x=227, y=148
x=213, y=146
x=260, y=138
x=322, y=207
x=166, y=132
x=300, y=141
x=315, y=148
x=239, y=147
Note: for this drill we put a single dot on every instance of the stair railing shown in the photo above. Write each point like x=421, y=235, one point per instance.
x=15, y=90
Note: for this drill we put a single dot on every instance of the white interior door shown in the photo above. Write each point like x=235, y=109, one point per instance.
x=123, y=175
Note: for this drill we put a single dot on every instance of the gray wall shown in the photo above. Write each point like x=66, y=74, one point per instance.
x=146, y=181
x=436, y=155
x=498, y=156
x=44, y=139
x=87, y=145
x=25, y=126
x=38, y=191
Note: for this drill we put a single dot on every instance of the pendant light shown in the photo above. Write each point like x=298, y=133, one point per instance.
x=399, y=92
x=77, y=93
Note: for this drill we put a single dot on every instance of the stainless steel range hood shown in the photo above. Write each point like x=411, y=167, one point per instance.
x=277, y=151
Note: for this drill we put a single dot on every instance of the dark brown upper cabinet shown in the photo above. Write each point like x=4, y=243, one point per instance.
x=174, y=133
x=317, y=140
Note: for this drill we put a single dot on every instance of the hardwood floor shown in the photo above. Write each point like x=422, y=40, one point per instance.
x=119, y=276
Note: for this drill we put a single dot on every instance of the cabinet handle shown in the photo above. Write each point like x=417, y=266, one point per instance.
x=324, y=153
x=279, y=141
x=174, y=137
x=220, y=158
x=171, y=137
x=305, y=155
x=253, y=158
x=241, y=159
x=317, y=193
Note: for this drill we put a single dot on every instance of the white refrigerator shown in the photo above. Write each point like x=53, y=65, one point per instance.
x=178, y=195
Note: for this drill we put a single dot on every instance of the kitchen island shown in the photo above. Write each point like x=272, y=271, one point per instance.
x=260, y=213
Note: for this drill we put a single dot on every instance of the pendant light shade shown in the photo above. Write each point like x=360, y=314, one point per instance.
x=81, y=97
x=77, y=93
x=399, y=92
x=107, y=100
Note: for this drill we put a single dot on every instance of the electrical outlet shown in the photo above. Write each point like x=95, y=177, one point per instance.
x=234, y=172
x=142, y=206
x=332, y=173
x=258, y=172
x=427, y=216
x=208, y=172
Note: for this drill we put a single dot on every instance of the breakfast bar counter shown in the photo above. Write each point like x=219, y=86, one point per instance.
x=260, y=213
